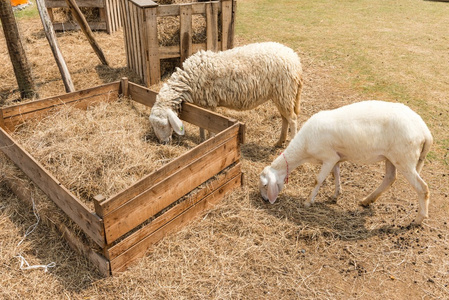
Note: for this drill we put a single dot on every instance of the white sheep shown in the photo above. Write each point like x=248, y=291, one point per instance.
x=241, y=78
x=364, y=132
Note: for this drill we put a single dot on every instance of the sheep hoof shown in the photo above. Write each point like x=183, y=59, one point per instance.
x=279, y=145
x=417, y=222
x=307, y=204
x=365, y=203
x=333, y=199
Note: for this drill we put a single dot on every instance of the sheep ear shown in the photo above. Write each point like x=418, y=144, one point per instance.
x=272, y=189
x=175, y=123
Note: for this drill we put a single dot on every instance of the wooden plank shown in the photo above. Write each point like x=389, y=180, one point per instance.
x=174, y=9
x=95, y=26
x=226, y=23
x=231, y=33
x=144, y=3
x=134, y=36
x=152, y=46
x=140, y=41
x=168, y=10
x=185, y=34
x=204, y=118
x=2, y=120
x=90, y=223
x=165, y=218
x=81, y=99
x=23, y=192
x=81, y=3
x=106, y=15
x=162, y=194
x=126, y=31
x=118, y=14
x=142, y=95
x=170, y=168
x=20, y=109
x=212, y=26
x=124, y=86
x=120, y=263
x=174, y=52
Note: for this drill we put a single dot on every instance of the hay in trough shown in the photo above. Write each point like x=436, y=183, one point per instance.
x=102, y=150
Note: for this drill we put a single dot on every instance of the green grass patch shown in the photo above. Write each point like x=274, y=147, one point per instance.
x=29, y=11
x=390, y=50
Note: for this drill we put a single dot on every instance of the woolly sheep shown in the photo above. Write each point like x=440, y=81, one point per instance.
x=241, y=78
x=364, y=132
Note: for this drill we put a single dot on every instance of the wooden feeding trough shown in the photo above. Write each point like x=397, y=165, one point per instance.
x=109, y=19
x=123, y=227
x=141, y=26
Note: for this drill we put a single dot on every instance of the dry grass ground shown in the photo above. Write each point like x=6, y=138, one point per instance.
x=245, y=248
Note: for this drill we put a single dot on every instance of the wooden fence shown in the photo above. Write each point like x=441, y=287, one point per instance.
x=109, y=19
x=127, y=224
x=140, y=22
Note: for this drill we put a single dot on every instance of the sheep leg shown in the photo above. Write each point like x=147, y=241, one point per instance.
x=293, y=127
x=390, y=177
x=336, y=173
x=284, y=130
x=422, y=190
x=326, y=168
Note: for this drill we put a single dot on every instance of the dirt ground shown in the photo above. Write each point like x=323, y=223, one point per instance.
x=244, y=248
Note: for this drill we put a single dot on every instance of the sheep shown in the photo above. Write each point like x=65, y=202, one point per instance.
x=364, y=132
x=241, y=79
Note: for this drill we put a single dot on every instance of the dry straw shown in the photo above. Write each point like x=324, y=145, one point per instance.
x=102, y=150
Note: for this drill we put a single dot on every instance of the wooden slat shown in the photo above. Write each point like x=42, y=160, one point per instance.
x=142, y=95
x=144, y=3
x=204, y=118
x=19, y=113
x=185, y=33
x=126, y=30
x=118, y=14
x=90, y=223
x=174, y=52
x=20, y=109
x=226, y=23
x=167, y=216
x=170, y=168
x=174, y=9
x=81, y=3
x=135, y=36
x=163, y=193
x=140, y=40
x=108, y=17
x=168, y=10
x=231, y=33
x=123, y=261
x=152, y=45
x=212, y=26
x=95, y=26
x=23, y=192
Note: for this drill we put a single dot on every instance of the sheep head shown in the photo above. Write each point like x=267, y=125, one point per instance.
x=270, y=185
x=164, y=122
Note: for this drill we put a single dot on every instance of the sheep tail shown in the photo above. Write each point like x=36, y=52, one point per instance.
x=422, y=157
x=298, y=96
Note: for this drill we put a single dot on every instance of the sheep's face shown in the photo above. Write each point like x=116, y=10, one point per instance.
x=161, y=127
x=164, y=121
x=269, y=186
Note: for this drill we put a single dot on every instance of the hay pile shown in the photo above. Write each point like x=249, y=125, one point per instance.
x=102, y=150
